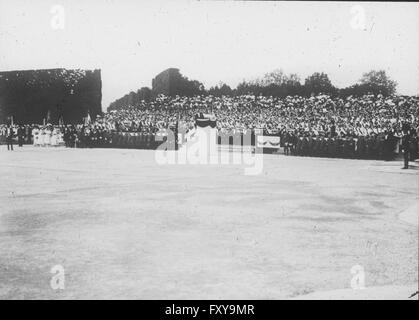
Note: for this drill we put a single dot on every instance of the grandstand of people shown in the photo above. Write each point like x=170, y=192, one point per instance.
x=365, y=127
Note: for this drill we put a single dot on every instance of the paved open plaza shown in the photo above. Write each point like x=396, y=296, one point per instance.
x=119, y=225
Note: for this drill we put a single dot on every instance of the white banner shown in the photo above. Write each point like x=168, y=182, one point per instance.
x=268, y=142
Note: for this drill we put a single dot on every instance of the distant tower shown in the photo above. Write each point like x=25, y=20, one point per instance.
x=166, y=82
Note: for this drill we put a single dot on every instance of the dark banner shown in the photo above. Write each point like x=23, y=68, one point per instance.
x=133, y=140
x=212, y=309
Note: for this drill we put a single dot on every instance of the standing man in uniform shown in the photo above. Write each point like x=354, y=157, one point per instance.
x=20, y=135
x=406, y=146
x=9, y=138
x=177, y=134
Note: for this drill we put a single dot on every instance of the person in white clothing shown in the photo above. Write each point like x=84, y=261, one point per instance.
x=47, y=137
x=41, y=136
x=35, y=133
x=54, y=136
x=60, y=137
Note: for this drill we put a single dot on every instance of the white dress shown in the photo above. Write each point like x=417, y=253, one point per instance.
x=41, y=136
x=35, y=133
x=47, y=137
x=54, y=135
x=60, y=139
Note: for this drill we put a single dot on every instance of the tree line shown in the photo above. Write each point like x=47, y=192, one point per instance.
x=276, y=84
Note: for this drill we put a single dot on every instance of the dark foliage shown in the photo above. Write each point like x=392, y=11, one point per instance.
x=34, y=95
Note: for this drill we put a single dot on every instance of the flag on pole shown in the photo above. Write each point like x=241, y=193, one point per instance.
x=87, y=119
x=49, y=115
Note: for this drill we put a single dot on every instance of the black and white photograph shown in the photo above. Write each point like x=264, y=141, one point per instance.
x=209, y=150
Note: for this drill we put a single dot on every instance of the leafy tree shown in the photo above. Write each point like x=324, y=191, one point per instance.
x=275, y=83
x=182, y=86
x=144, y=94
x=132, y=98
x=318, y=83
x=276, y=77
x=221, y=89
x=378, y=82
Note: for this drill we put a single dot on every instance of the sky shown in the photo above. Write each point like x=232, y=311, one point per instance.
x=211, y=41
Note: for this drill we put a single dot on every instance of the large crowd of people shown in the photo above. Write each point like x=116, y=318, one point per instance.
x=361, y=127
x=317, y=115
x=48, y=135
x=356, y=127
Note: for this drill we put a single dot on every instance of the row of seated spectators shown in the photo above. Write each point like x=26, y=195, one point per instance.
x=317, y=115
x=368, y=127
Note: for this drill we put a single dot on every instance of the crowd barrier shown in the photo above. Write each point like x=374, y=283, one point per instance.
x=133, y=140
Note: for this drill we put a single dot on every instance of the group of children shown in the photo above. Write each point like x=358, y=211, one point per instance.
x=47, y=136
